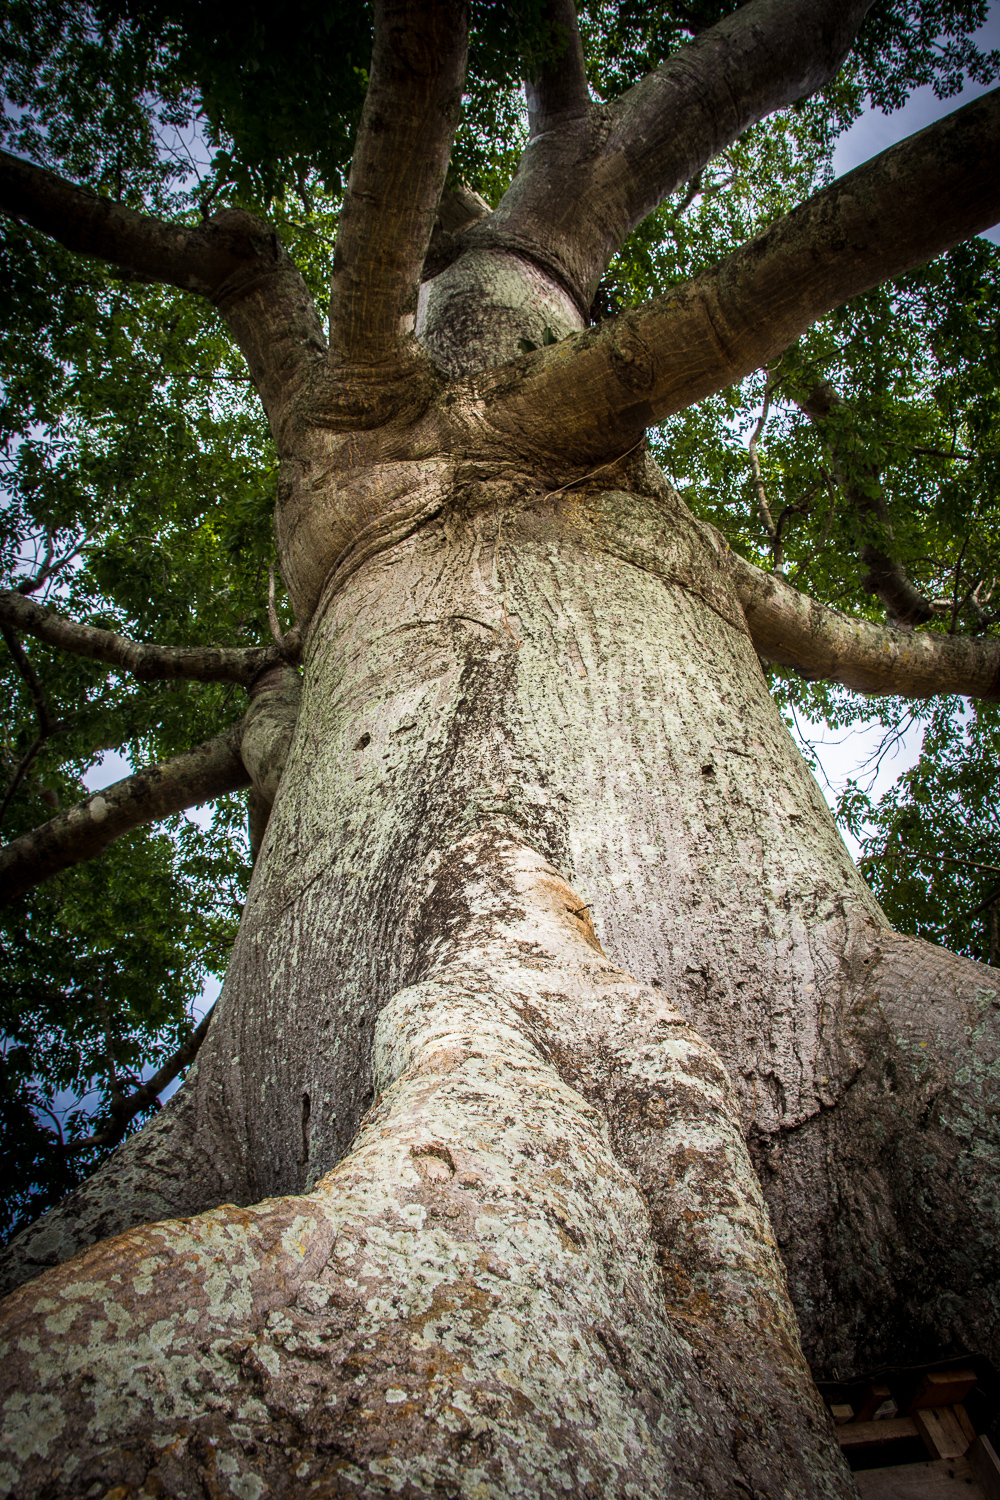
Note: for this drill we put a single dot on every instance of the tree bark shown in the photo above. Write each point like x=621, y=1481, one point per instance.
x=602, y=389
x=145, y=662
x=527, y=741
x=251, y=753
x=823, y=644
x=234, y=259
x=549, y=932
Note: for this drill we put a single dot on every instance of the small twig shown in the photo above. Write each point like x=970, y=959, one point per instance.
x=47, y=726
x=288, y=642
x=20, y=771
x=109, y=1050
x=56, y=1121
x=599, y=470
x=966, y=864
x=272, y=612
x=942, y=453
x=990, y=900
x=955, y=606
x=29, y=585
x=818, y=548
x=760, y=493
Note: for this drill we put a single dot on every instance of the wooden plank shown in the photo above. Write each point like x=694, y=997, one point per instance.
x=962, y=1417
x=871, y=1401
x=943, y=1388
x=986, y=1467
x=941, y=1431
x=944, y=1479
x=862, y=1436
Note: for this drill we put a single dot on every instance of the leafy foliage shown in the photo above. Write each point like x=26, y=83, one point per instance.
x=930, y=846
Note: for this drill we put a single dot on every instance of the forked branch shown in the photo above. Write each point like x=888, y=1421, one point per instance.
x=233, y=259
x=145, y=662
x=599, y=390
x=398, y=170
x=579, y=193
x=822, y=644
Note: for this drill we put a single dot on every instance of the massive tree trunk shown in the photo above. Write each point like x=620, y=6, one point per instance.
x=550, y=922
x=551, y=942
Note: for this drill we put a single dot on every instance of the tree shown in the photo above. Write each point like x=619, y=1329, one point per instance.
x=568, y=1081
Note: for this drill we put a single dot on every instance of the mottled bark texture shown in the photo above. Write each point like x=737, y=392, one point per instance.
x=542, y=1266
x=481, y=1298
x=550, y=931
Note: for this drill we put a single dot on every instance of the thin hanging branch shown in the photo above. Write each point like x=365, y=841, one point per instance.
x=124, y=1110
x=760, y=493
x=886, y=577
x=47, y=725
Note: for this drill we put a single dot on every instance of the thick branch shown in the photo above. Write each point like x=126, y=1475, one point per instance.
x=599, y=390
x=401, y=156
x=84, y=831
x=582, y=189
x=124, y=1111
x=233, y=259
x=558, y=94
x=886, y=577
x=795, y=631
x=253, y=752
x=147, y=663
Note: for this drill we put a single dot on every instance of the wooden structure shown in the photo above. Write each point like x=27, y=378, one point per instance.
x=921, y=1433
